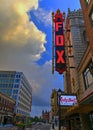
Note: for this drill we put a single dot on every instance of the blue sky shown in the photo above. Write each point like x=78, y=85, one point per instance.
x=42, y=19
x=26, y=44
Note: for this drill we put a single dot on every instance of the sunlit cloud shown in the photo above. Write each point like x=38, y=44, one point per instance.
x=17, y=31
x=22, y=44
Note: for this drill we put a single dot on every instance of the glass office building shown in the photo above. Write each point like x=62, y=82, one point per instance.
x=15, y=85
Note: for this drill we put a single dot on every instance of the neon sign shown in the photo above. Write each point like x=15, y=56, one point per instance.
x=60, y=63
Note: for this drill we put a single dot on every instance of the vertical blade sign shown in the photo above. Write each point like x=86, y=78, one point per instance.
x=60, y=63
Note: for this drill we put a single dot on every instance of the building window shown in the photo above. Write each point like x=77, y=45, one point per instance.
x=91, y=16
x=12, y=75
x=91, y=119
x=9, y=92
x=87, y=2
x=4, y=90
x=17, y=80
x=88, y=76
x=15, y=91
x=11, y=80
x=14, y=97
x=16, y=86
x=18, y=76
x=85, y=38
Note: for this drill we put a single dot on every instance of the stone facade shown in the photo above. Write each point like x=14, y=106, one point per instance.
x=75, y=47
x=77, y=27
x=54, y=105
x=87, y=9
x=78, y=79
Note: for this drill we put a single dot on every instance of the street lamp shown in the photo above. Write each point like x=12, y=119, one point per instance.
x=59, y=92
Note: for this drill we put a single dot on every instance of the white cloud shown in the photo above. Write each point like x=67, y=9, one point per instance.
x=16, y=30
x=43, y=16
x=21, y=43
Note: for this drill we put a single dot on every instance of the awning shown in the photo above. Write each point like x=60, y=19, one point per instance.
x=79, y=109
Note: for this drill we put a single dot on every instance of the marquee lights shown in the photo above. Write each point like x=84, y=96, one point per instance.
x=68, y=100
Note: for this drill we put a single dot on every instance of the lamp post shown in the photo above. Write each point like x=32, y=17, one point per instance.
x=59, y=92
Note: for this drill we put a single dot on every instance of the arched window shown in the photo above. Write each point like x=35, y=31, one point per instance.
x=88, y=75
x=91, y=16
x=87, y=2
x=85, y=38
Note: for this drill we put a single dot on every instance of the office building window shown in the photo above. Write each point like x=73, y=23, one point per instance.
x=9, y=92
x=15, y=91
x=4, y=90
x=11, y=80
x=14, y=97
x=16, y=86
x=91, y=17
x=17, y=80
x=12, y=75
x=18, y=75
x=88, y=76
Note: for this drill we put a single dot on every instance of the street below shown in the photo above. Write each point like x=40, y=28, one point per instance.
x=41, y=127
x=8, y=128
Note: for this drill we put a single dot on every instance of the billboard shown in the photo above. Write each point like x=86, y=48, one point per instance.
x=60, y=63
x=68, y=100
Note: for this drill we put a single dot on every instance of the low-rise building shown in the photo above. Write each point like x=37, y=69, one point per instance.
x=46, y=116
x=7, y=105
x=15, y=85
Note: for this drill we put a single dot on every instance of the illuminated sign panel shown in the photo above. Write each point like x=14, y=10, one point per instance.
x=68, y=100
x=60, y=63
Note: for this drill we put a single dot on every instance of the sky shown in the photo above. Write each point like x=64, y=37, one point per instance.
x=26, y=45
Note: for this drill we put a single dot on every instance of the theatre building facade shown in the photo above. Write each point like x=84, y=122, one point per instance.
x=78, y=78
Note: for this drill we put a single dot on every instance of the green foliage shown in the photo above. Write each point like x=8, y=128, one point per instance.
x=28, y=123
x=21, y=125
x=36, y=119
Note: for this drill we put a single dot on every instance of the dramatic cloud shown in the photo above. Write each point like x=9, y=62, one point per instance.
x=18, y=37
x=22, y=43
x=15, y=26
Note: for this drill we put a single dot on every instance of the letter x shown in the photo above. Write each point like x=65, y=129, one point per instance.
x=60, y=56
